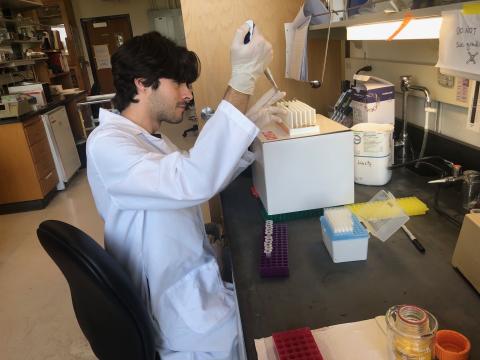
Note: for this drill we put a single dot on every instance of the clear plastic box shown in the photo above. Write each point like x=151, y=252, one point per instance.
x=382, y=215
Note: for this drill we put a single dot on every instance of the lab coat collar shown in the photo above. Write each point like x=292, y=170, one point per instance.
x=107, y=117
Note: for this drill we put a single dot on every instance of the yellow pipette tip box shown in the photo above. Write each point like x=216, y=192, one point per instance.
x=411, y=205
x=471, y=9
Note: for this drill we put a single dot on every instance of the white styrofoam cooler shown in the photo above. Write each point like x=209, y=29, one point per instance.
x=303, y=173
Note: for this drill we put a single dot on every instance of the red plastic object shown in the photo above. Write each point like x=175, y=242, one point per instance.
x=297, y=344
x=254, y=192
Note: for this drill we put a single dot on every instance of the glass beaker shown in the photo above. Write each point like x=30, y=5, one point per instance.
x=411, y=333
x=471, y=190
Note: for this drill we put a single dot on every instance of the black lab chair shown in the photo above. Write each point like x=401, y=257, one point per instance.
x=109, y=311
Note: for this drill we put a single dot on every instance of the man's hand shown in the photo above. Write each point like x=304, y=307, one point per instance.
x=263, y=113
x=248, y=60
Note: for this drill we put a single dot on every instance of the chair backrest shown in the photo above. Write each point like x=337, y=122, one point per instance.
x=108, y=310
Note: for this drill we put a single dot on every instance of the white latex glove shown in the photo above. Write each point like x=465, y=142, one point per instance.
x=248, y=60
x=263, y=112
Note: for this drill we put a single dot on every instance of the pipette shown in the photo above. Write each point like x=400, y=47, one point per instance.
x=246, y=40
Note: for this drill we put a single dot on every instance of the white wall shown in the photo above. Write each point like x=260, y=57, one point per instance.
x=409, y=54
x=136, y=9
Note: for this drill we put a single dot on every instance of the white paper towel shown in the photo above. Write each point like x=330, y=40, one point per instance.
x=352, y=341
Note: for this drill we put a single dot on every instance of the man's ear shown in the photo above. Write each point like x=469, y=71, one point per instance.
x=139, y=85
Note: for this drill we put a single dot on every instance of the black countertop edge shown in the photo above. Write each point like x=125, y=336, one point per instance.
x=50, y=106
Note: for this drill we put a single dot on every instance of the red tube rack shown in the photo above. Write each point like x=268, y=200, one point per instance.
x=297, y=344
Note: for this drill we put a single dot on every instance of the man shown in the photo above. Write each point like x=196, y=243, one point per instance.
x=148, y=193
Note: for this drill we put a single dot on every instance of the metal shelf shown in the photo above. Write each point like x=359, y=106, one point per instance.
x=338, y=28
x=21, y=62
x=14, y=63
x=22, y=22
x=51, y=51
x=59, y=75
x=20, y=4
x=10, y=42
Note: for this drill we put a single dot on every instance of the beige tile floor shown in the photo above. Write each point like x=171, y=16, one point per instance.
x=36, y=316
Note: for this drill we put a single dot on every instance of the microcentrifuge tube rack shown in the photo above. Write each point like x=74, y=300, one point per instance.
x=274, y=258
x=297, y=344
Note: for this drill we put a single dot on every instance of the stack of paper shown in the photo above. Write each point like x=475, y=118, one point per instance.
x=296, y=34
x=296, y=47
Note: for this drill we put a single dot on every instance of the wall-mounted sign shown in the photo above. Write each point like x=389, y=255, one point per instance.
x=459, y=44
x=99, y=25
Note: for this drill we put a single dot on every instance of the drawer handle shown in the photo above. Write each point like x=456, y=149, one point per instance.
x=49, y=175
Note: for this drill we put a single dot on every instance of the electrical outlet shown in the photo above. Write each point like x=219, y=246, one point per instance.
x=447, y=81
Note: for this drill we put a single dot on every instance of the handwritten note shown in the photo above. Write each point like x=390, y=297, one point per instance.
x=459, y=45
x=102, y=56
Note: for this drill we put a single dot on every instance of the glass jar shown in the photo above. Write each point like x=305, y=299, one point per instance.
x=411, y=333
x=471, y=190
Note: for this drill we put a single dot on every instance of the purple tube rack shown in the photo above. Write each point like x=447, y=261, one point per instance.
x=277, y=264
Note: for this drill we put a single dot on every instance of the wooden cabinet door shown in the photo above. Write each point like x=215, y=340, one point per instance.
x=18, y=177
x=27, y=170
x=103, y=36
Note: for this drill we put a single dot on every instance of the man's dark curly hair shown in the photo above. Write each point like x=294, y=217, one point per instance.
x=150, y=56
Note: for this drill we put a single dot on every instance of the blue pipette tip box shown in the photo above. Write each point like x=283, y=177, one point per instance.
x=277, y=264
x=345, y=246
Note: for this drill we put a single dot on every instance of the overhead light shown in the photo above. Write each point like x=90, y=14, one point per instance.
x=427, y=28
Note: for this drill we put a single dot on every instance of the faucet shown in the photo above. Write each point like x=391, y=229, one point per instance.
x=402, y=144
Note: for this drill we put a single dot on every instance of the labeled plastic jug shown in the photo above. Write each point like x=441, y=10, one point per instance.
x=373, y=149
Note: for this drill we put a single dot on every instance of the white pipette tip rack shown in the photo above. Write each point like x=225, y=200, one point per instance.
x=300, y=119
x=340, y=219
x=345, y=238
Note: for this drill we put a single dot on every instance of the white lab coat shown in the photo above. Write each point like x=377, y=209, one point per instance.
x=148, y=194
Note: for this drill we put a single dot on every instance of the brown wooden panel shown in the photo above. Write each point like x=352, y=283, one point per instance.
x=40, y=151
x=42, y=158
x=202, y=19
x=49, y=181
x=113, y=28
x=44, y=166
x=35, y=131
x=76, y=122
x=41, y=70
x=18, y=177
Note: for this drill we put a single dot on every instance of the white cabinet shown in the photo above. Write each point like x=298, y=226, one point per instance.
x=62, y=144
